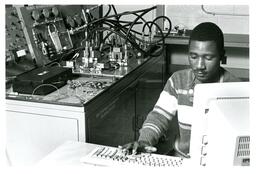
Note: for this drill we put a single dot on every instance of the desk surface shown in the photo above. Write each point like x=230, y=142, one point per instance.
x=71, y=152
x=85, y=84
x=68, y=153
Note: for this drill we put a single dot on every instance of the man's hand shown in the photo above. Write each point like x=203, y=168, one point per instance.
x=137, y=147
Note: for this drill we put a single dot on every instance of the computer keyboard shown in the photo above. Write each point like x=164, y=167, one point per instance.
x=110, y=156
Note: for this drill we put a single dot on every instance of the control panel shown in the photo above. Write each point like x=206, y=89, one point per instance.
x=45, y=32
x=16, y=44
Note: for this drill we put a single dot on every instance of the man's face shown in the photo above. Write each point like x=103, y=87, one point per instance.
x=204, y=59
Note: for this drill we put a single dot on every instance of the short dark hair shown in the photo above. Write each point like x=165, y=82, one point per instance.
x=208, y=31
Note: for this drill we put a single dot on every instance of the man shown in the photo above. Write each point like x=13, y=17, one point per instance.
x=206, y=51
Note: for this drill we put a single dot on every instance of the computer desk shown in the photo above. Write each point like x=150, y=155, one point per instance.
x=70, y=154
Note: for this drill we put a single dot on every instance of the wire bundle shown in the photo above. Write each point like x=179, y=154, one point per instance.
x=112, y=24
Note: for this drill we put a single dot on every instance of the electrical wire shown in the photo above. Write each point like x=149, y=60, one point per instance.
x=109, y=9
x=138, y=17
x=54, y=63
x=161, y=32
x=116, y=27
x=45, y=85
x=119, y=14
x=114, y=9
x=144, y=11
x=124, y=29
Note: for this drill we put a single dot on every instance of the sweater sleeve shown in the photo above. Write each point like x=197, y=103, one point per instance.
x=157, y=121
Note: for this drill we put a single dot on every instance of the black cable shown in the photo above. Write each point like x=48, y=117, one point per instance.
x=125, y=31
x=133, y=39
x=147, y=42
x=114, y=9
x=170, y=24
x=153, y=22
x=119, y=27
x=104, y=29
x=138, y=17
x=109, y=9
x=125, y=13
x=149, y=52
x=120, y=14
x=126, y=22
x=119, y=34
x=146, y=23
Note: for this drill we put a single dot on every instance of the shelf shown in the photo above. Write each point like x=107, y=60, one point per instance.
x=230, y=40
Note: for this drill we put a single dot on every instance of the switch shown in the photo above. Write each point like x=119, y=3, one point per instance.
x=35, y=15
x=203, y=161
x=205, y=140
x=204, y=151
x=21, y=53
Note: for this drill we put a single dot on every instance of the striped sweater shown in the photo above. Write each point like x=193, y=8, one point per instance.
x=177, y=93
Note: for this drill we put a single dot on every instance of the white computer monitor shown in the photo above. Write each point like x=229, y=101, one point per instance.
x=220, y=120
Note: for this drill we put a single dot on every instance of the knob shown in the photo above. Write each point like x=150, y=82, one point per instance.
x=78, y=20
x=55, y=11
x=35, y=15
x=46, y=13
x=70, y=21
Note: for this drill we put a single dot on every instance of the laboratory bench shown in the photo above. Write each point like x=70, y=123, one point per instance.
x=107, y=108
x=108, y=114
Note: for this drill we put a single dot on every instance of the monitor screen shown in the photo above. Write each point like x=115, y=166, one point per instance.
x=220, y=121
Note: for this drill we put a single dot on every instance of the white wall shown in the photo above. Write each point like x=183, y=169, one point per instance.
x=191, y=15
x=188, y=16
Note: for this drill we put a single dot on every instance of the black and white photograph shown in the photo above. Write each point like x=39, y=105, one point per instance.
x=127, y=85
